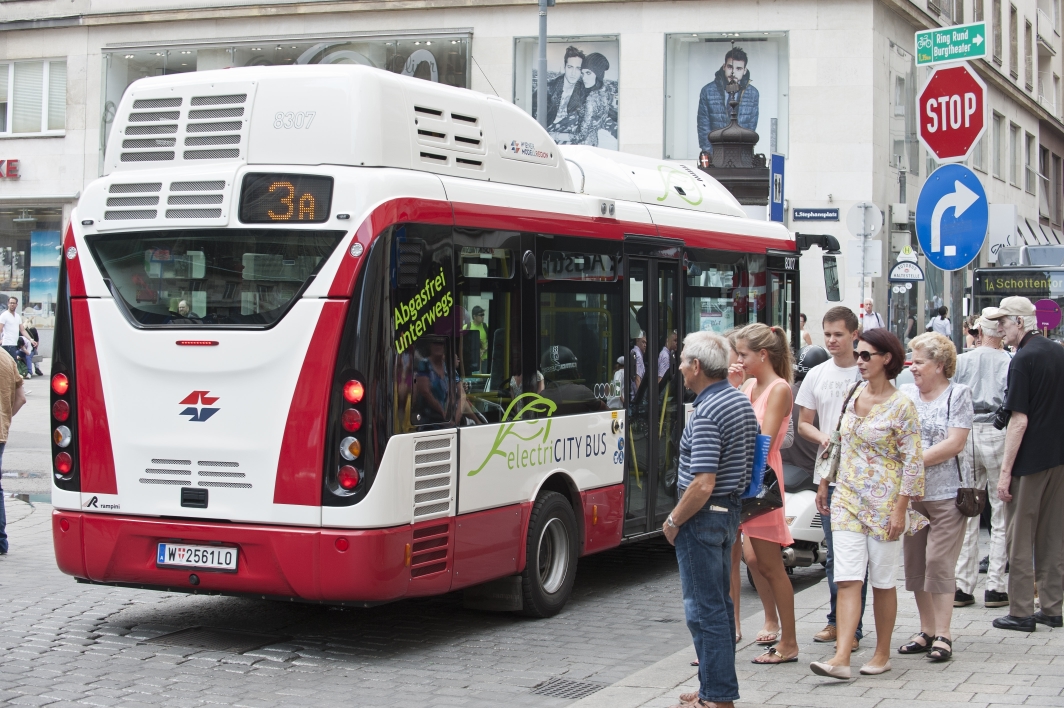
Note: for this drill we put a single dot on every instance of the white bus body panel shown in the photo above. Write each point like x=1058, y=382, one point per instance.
x=253, y=375
x=507, y=463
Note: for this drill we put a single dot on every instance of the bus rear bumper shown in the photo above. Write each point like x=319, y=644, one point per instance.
x=312, y=564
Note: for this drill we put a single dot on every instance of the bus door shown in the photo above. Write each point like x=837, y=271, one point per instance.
x=783, y=293
x=654, y=392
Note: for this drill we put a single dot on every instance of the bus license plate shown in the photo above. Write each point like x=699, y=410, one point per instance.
x=185, y=556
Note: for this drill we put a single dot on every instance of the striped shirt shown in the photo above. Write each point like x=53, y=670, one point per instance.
x=719, y=438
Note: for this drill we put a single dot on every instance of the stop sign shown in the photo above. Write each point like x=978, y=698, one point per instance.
x=952, y=112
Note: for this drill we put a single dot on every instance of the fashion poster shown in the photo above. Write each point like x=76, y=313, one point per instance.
x=699, y=70
x=582, y=90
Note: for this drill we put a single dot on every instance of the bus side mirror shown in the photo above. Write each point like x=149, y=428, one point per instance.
x=831, y=279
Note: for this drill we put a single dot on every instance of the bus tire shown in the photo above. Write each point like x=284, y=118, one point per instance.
x=550, y=556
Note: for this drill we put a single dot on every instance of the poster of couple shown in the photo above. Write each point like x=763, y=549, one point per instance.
x=582, y=90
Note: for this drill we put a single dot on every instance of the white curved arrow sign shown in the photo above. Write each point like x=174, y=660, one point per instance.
x=959, y=199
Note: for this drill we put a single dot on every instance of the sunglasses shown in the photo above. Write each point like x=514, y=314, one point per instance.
x=866, y=356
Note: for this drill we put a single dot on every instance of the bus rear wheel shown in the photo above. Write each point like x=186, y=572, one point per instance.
x=550, y=556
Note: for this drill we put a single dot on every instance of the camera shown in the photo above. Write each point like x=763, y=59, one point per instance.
x=1001, y=418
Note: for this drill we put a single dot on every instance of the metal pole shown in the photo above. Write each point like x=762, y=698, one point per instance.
x=541, y=69
x=864, y=250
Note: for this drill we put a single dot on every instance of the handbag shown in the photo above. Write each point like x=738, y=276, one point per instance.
x=827, y=464
x=768, y=499
x=970, y=501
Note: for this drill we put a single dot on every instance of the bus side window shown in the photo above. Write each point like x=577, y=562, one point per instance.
x=489, y=296
x=580, y=324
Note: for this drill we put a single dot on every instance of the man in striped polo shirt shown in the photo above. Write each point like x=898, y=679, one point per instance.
x=716, y=456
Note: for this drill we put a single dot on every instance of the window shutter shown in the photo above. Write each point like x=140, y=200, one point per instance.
x=57, y=95
x=28, y=97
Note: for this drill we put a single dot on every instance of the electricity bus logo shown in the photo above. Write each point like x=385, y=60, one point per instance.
x=198, y=415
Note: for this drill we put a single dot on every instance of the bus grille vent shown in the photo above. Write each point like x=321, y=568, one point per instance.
x=132, y=214
x=430, y=552
x=434, y=475
x=135, y=188
x=157, y=103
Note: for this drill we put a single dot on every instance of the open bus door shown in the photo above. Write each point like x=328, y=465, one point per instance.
x=783, y=293
x=654, y=399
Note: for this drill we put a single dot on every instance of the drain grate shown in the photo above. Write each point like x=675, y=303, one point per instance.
x=564, y=688
x=666, y=620
x=206, y=638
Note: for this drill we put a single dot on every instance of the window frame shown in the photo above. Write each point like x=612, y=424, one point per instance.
x=998, y=40
x=997, y=162
x=46, y=72
x=1014, y=42
x=1013, y=156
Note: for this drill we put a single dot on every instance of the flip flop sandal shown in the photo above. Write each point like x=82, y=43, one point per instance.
x=773, y=653
x=688, y=698
x=914, y=647
x=940, y=653
x=767, y=638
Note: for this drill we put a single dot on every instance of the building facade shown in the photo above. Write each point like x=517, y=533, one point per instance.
x=830, y=85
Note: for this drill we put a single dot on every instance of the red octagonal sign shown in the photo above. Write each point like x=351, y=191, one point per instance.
x=952, y=112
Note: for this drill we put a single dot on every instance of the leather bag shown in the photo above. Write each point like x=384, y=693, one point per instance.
x=827, y=464
x=970, y=501
x=768, y=499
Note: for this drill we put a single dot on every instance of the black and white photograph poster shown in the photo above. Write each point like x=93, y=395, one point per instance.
x=582, y=90
x=700, y=67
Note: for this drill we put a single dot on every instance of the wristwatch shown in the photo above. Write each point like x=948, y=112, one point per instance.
x=670, y=522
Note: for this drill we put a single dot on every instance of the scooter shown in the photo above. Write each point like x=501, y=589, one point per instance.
x=803, y=519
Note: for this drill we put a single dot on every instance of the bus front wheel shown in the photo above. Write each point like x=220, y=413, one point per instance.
x=550, y=556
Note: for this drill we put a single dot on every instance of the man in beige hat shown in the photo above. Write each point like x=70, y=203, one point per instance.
x=985, y=370
x=1032, y=471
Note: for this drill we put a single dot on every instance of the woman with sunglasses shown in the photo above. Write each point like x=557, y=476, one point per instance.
x=880, y=469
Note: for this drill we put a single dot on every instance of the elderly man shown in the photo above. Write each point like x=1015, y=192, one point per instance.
x=716, y=455
x=870, y=319
x=984, y=370
x=1032, y=472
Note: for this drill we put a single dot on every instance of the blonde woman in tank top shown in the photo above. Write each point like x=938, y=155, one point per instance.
x=765, y=356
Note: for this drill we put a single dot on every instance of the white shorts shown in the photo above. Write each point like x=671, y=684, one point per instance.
x=853, y=552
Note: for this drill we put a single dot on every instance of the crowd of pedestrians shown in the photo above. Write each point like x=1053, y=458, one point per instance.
x=915, y=465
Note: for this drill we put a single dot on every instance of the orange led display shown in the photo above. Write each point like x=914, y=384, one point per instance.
x=274, y=198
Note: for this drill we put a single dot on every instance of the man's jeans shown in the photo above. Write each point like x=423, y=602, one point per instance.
x=3, y=514
x=825, y=523
x=703, y=549
x=13, y=351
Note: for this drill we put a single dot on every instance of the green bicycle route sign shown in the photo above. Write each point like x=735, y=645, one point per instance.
x=947, y=44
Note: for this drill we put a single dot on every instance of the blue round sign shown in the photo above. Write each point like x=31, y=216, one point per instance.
x=951, y=217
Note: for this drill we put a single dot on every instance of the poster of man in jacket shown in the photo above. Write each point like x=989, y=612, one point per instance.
x=698, y=67
x=582, y=91
x=713, y=109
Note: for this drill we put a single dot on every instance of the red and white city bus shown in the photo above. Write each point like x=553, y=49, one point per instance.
x=331, y=334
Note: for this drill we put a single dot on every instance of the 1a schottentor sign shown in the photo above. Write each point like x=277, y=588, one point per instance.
x=946, y=44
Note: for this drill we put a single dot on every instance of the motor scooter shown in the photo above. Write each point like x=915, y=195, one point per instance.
x=803, y=520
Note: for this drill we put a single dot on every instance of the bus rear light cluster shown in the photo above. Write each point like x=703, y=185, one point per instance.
x=348, y=473
x=62, y=436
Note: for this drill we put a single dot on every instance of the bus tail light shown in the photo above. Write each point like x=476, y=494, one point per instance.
x=61, y=410
x=348, y=477
x=351, y=420
x=350, y=448
x=64, y=463
x=61, y=436
x=354, y=391
x=60, y=384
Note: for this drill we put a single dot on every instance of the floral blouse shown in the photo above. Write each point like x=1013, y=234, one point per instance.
x=881, y=458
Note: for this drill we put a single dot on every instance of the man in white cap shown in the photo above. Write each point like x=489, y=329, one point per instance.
x=1032, y=472
x=984, y=370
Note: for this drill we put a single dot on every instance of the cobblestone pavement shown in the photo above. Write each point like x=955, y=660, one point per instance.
x=63, y=642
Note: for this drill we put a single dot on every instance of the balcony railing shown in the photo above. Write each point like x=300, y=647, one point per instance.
x=1047, y=33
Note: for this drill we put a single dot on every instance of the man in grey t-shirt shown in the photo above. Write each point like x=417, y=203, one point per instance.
x=985, y=370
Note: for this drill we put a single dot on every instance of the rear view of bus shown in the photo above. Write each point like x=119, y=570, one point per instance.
x=315, y=326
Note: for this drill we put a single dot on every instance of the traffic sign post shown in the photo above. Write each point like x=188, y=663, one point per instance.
x=864, y=221
x=946, y=44
x=952, y=217
x=952, y=112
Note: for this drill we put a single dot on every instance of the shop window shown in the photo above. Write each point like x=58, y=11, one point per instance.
x=32, y=97
x=697, y=68
x=582, y=88
x=489, y=353
x=580, y=326
x=441, y=58
x=29, y=260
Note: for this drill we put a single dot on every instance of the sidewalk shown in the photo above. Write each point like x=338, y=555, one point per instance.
x=990, y=667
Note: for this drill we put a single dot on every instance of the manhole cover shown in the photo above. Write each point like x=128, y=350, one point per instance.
x=210, y=639
x=564, y=688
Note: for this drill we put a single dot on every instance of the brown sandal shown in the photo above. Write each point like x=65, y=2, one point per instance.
x=775, y=658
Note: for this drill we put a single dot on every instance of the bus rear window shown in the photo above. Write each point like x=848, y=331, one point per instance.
x=221, y=277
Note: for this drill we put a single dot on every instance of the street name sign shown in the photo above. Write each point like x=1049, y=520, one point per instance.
x=948, y=44
x=951, y=217
x=951, y=112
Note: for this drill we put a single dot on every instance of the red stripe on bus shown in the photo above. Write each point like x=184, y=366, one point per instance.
x=299, y=469
x=724, y=241
x=75, y=281
x=95, y=454
x=396, y=211
x=480, y=216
